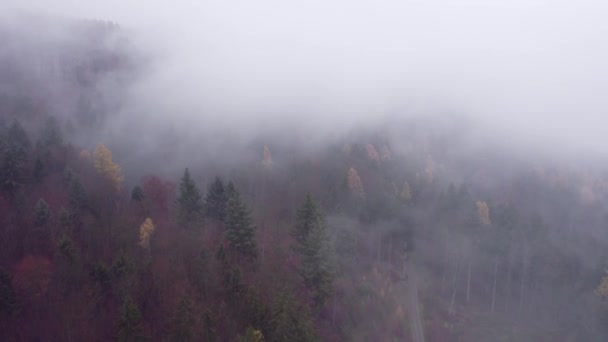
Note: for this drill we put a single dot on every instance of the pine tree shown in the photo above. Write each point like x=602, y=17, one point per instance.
x=313, y=246
x=252, y=335
x=240, y=231
x=216, y=200
x=129, y=325
x=17, y=136
x=290, y=322
x=78, y=196
x=183, y=321
x=12, y=167
x=102, y=159
x=137, y=194
x=190, y=202
x=8, y=297
x=51, y=135
x=307, y=218
x=42, y=213
x=38, y=172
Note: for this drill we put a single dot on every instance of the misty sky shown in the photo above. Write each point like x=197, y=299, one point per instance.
x=534, y=70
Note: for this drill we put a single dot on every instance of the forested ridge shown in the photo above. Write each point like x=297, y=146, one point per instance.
x=273, y=240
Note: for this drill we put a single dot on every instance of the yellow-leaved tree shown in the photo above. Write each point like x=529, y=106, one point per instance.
x=267, y=157
x=145, y=232
x=372, y=153
x=406, y=192
x=483, y=212
x=102, y=159
x=354, y=183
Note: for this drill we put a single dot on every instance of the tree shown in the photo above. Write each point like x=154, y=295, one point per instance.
x=42, y=213
x=102, y=160
x=483, y=213
x=308, y=218
x=78, y=197
x=313, y=246
x=240, y=231
x=137, y=194
x=38, y=172
x=145, y=232
x=216, y=200
x=129, y=324
x=252, y=335
x=354, y=183
x=51, y=134
x=12, y=166
x=406, y=193
x=290, y=322
x=183, y=321
x=602, y=288
x=8, y=297
x=190, y=201
x=267, y=158
x=372, y=153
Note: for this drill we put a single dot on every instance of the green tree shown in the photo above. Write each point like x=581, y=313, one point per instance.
x=8, y=298
x=42, y=213
x=216, y=199
x=51, y=134
x=240, y=231
x=313, y=246
x=78, y=196
x=129, y=324
x=183, y=321
x=12, y=167
x=38, y=172
x=290, y=322
x=190, y=201
x=137, y=194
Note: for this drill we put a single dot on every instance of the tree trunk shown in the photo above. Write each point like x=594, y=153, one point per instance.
x=523, y=274
x=494, y=287
x=469, y=278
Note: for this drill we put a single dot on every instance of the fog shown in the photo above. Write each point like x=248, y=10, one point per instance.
x=530, y=72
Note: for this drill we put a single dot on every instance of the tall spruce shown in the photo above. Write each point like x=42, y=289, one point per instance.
x=313, y=246
x=190, y=202
x=216, y=199
x=240, y=231
x=129, y=325
x=42, y=213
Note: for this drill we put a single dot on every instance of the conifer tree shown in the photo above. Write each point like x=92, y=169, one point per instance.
x=12, y=165
x=216, y=200
x=78, y=196
x=51, y=135
x=313, y=246
x=183, y=321
x=129, y=324
x=137, y=194
x=190, y=201
x=38, y=172
x=8, y=297
x=290, y=322
x=42, y=213
x=240, y=231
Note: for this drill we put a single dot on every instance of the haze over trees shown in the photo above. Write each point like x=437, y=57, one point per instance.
x=212, y=237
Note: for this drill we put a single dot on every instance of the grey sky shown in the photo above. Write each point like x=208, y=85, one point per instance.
x=533, y=69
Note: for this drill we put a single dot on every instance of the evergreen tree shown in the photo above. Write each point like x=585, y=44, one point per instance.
x=190, y=201
x=12, y=167
x=42, y=213
x=129, y=325
x=17, y=136
x=78, y=196
x=216, y=200
x=313, y=246
x=209, y=332
x=8, y=298
x=66, y=248
x=183, y=321
x=101, y=275
x=137, y=194
x=51, y=134
x=240, y=231
x=38, y=172
x=252, y=335
x=289, y=321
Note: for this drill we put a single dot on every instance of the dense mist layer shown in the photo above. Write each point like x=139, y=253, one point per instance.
x=532, y=72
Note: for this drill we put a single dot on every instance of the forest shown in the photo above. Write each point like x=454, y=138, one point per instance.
x=403, y=230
